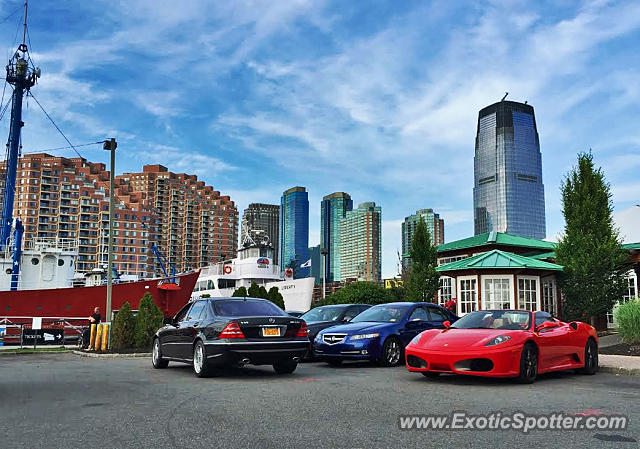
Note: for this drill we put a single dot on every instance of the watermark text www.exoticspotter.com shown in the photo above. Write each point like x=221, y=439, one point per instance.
x=519, y=421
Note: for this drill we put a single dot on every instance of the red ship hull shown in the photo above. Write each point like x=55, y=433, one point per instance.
x=80, y=301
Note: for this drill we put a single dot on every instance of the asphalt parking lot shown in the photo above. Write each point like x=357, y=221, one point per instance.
x=67, y=401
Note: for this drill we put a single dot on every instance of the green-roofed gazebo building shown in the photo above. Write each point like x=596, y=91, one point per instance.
x=502, y=271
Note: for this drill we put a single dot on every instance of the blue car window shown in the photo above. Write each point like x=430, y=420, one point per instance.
x=438, y=315
x=419, y=314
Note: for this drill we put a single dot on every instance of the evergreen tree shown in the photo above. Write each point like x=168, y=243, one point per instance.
x=590, y=251
x=240, y=292
x=148, y=320
x=124, y=328
x=422, y=279
x=262, y=293
x=275, y=297
x=254, y=290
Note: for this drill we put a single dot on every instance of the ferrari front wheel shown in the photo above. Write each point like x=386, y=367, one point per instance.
x=590, y=358
x=528, y=364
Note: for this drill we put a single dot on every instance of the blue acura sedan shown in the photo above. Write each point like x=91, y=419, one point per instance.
x=379, y=333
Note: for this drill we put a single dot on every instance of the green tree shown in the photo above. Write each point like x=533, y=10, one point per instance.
x=148, y=320
x=241, y=292
x=275, y=297
x=422, y=277
x=124, y=328
x=262, y=293
x=590, y=251
x=254, y=290
x=359, y=293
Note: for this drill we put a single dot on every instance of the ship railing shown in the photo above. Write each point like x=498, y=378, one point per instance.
x=16, y=329
x=56, y=243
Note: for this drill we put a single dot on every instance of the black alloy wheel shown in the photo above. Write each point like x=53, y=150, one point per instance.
x=528, y=364
x=590, y=358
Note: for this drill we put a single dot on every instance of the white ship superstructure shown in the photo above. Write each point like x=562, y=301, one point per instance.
x=254, y=264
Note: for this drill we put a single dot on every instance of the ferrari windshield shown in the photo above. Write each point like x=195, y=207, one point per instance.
x=494, y=319
x=382, y=314
x=324, y=313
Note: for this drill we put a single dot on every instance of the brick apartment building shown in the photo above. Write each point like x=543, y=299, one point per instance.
x=197, y=226
x=68, y=198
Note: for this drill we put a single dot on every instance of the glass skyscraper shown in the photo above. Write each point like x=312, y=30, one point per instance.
x=435, y=226
x=333, y=209
x=508, y=194
x=294, y=229
x=361, y=243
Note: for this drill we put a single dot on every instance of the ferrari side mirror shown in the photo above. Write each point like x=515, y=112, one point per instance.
x=447, y=324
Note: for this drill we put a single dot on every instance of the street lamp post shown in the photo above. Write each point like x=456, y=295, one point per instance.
x=110, y=145
x=324, y=253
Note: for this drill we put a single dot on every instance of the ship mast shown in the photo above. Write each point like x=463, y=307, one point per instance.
x=22, y=77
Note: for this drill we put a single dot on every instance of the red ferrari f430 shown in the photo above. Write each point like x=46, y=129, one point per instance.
x=505, y=343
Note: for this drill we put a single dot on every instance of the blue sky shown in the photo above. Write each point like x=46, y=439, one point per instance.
x=378, y=98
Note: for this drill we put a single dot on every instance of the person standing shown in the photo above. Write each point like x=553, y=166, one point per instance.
x=93, y=319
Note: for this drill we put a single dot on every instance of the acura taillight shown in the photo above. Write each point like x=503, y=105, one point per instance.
x=231, y=330
x=303, y=330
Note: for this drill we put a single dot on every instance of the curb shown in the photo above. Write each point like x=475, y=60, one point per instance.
x=110, y=356
x=619, y=371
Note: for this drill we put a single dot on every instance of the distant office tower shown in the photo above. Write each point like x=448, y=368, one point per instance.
x=333, y=209
x=294, y=229
x=434, y=223
x=508, y=194
x=262, y=217
x=360, y=243
x=316, y=263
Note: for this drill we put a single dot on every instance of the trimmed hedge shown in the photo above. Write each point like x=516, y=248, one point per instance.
x=148, y=321
x=124, y=328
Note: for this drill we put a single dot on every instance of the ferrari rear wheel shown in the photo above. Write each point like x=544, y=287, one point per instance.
x=590, y=358
x=528, y=364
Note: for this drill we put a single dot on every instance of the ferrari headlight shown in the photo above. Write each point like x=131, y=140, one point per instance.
x=498, y=340
x=363, y=336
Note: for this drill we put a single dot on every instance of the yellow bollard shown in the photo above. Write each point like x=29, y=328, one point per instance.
x=105, y=337
x=98, y=337
x=92, y=339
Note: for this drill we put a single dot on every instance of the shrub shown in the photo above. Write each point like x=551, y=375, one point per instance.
x=148, y=321
x=124, y=328
x=275, y=297
x=627, y=318
x=254, y=290
x=362, y=292
x=240, y=293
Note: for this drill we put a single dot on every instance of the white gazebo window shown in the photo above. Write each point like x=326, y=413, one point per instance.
x=528, y=293
x=497, y=293
x=445, y=293
x=467, y=299
x=549, y=296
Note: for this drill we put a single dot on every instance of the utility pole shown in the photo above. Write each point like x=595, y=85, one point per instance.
x=110, y=145
x=324, y=253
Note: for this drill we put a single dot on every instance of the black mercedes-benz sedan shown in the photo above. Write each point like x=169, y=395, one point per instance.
x=216, y=332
